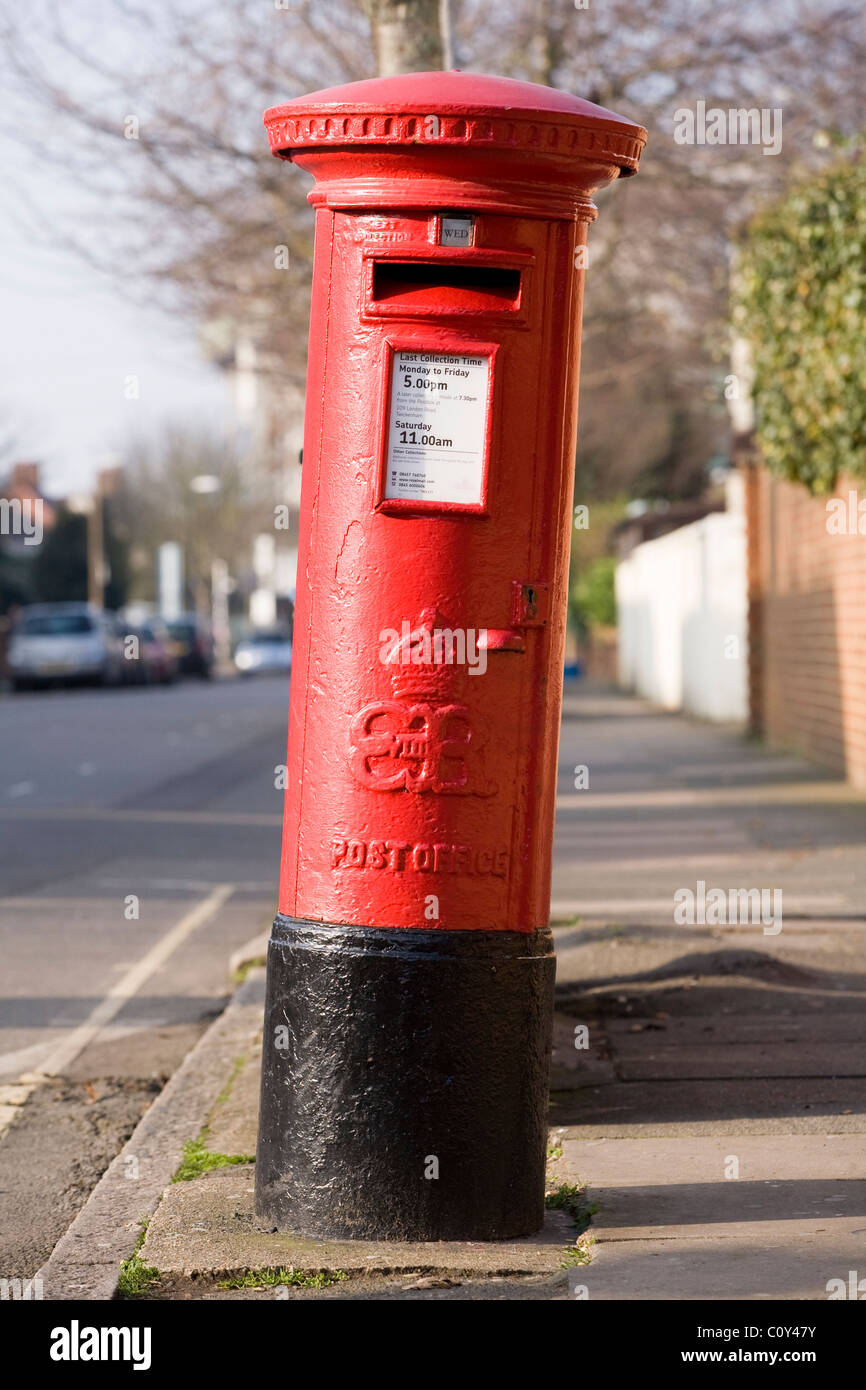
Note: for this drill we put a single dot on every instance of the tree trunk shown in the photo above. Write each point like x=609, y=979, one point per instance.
x=547, y=51
x=408, y=34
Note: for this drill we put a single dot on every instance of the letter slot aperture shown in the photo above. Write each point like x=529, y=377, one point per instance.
x=446, y=286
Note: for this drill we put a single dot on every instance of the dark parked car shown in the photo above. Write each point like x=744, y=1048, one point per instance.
x=193, y=645
x=157, y=652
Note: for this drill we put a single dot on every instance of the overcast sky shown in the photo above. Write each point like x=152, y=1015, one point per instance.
x=68, y=340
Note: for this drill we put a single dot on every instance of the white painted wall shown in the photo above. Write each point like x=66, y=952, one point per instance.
x=682, y=619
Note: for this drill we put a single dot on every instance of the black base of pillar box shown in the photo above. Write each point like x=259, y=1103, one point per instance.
x=404, y=1082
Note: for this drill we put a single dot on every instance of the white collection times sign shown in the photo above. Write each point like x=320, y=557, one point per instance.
x=436, y=427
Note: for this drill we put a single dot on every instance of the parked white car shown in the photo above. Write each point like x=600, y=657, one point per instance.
x=52, y=643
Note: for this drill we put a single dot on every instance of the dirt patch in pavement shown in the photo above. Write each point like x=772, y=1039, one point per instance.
x=53, y=1156
x=409, y=1287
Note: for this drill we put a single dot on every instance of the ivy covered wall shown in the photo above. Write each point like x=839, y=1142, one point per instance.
x=801, y=304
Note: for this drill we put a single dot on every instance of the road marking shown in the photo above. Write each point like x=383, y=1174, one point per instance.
x=12, y=1097
x=255, y=888
x=97, y=813
x=66, y=1051
x=189, y=885
x=131, y=982
x=21, y=789
x=22, y=1059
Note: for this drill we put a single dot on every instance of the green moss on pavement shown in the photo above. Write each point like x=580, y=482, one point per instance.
x=198, y=1159
x=269, y=1278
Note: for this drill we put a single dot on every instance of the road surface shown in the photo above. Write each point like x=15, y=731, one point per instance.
x=139, y=846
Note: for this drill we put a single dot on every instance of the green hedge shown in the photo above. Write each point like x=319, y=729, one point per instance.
x=594, y=597
x=801, y=303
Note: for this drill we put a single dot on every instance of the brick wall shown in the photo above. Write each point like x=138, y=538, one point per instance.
x=807, y=625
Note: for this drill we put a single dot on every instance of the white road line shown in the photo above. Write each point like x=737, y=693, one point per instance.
x=12, y=1097
x=15, y=1094
x=129, y=984
x=96, y=813
x=21, y=1059
x=21, y=789
x=251, y=887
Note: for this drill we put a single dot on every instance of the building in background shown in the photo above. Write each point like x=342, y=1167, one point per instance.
x=22, y=501
x=682, y=606
x=269, y=410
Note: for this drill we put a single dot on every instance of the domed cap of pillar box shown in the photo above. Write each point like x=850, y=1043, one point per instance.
x=454, y=126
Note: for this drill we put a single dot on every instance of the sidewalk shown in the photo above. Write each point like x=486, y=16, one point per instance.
x=715, y=1116
x=718, y=1114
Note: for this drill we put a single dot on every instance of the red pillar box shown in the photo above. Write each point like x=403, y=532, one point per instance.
x=410, y=973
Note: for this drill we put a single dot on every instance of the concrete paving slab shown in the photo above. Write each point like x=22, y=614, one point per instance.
x=641, y=1214
x=711, y=1270
x=233, y=1123
x=728, y=1060
x=754, y=1210
x=253, y=952
x=747, y=1105
x=838, y=1025
x=663, y=1160
x=208, y=1227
